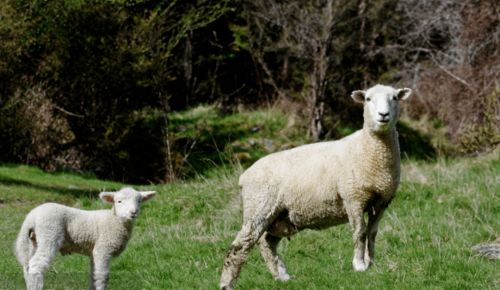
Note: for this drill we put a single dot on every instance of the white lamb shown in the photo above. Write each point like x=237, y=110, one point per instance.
x=99, y=234
x=320, y=185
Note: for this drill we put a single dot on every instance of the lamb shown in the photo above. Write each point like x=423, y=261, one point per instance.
x=99, y=234
x=320, y=185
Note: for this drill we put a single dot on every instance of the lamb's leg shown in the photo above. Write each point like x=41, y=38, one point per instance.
x=91, y=275
x=357, y=221
x=374, y=216
x=241, y=246
x=268, y=248
x=42, y=258
x=32, y=247
x=101, y=269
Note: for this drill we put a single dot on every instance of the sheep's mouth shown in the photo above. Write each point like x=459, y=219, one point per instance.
x=383, y=121
x=130, y=217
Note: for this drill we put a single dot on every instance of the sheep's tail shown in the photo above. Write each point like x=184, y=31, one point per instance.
x=25, y=242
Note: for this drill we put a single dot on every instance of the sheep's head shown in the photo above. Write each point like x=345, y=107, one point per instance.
x=126, y=201
x=381, y=106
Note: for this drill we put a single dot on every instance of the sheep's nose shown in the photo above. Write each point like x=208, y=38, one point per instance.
x=134, y=212
x=384, y=114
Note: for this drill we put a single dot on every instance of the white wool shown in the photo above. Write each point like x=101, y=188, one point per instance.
x=99, y=234
x=321, y=185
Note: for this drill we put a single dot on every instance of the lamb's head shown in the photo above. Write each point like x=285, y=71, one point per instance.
x=126, y=201
x=381, y=106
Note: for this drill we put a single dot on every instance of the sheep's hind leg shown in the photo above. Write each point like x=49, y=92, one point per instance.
x=249, y=234
x=32, y=246
x=43, y=256
x=268, y=248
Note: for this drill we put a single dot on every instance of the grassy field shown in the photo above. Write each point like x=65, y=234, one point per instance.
x=441, y=210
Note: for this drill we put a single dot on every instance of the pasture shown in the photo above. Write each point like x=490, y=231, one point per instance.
x=442, y=209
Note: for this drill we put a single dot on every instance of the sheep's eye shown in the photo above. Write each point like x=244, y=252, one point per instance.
x=368, y=99
x=394, y=98
x=119, y=201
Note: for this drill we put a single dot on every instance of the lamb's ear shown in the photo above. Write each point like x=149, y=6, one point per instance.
x=358, y=96
x=146, y=195
x=107, y=196
x=404, y=94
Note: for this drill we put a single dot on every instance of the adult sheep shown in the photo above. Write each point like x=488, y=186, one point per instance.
x=99, y=234
x=320, y=185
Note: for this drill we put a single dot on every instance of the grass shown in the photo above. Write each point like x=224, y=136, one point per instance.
x=205, y=138
x=181, y=236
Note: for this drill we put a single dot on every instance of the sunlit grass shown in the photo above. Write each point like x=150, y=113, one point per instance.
x=180, y=239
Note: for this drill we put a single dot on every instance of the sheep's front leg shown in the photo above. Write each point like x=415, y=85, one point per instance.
x=101, y=270
x=374, y=216
x=357, y=221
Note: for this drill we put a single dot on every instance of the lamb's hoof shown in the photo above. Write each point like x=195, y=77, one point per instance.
x=226, y=288
x=359, y=266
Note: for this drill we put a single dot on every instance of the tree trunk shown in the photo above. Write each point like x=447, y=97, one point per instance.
x=316, y=127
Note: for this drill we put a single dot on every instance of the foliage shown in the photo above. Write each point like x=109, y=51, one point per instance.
x=97, y=66
x=452, y=60
x=84, y=81
x=441, y=210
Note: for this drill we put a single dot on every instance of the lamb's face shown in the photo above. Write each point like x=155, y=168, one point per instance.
x=126, y=201
x=381, y=106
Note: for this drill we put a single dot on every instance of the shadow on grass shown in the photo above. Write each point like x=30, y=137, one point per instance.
x=75, y=192
x=414, y=144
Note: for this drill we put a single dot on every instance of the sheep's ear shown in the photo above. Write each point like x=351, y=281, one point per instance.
x=404, y=94
x=107, y=196
x=358, y=96
x=146, y=195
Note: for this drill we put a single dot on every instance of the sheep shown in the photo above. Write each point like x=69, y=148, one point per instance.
x=99, y=234
x=320, y=185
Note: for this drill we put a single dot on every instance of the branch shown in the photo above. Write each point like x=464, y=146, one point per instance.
x=67, y=112
x=459, y=79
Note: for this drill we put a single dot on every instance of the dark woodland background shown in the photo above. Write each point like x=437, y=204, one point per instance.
x=92, y=86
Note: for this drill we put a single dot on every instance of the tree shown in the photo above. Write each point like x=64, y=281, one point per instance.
x=294, y=35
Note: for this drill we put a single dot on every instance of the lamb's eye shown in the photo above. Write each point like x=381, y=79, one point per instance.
x=394, y=98
x=368, y=99
x=119, y=201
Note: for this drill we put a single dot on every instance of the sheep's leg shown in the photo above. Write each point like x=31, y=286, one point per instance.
x=42, y=258
x=91, y=275
x=32, y=247
x=374, y=216
x=268, y=248
x=101, y=270
x=241, y=246
x=357, y=221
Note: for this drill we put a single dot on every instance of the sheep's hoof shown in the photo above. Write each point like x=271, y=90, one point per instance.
x=359, y=266
x=226, y=287
x=283, y=277
x=282, y=274
x=369, y=262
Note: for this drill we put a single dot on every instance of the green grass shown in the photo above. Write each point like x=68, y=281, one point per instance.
x=181, y=236
x=204, y=137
